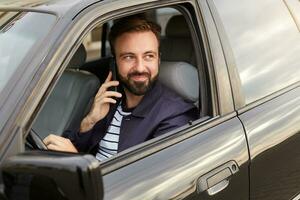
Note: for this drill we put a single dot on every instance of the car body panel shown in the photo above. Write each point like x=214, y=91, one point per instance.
x=272, y=42
x=172, y=173
x=273, y=131
x=268, y=103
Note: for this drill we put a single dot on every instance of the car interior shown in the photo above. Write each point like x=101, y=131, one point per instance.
x=70, y=99
x=73, y=94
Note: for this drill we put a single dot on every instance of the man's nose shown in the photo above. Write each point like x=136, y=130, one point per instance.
x=140, y=65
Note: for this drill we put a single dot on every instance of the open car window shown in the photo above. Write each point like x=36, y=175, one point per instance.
x=73, y=94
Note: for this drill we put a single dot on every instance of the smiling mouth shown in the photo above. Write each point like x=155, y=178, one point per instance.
x=139, y=78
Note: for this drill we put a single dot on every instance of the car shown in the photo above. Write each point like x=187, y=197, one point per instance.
x=237, y=61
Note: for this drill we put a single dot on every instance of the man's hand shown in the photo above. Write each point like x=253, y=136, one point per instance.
x=101, y=104
x=57, y=143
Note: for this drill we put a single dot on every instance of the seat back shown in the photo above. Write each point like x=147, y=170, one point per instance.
x=182, y=78
x=69, y=100
x=177, y=44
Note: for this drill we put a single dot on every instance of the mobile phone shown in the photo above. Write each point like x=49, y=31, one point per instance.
x=113, y=69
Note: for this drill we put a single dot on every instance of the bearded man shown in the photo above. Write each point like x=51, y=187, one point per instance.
x=143, y=110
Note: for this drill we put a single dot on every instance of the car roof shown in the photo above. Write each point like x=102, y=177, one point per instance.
x=59, y=7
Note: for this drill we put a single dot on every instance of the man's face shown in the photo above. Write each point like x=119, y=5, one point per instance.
x=137, y=58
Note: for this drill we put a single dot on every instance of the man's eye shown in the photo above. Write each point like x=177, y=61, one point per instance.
x=128, y=57
x=149, y=57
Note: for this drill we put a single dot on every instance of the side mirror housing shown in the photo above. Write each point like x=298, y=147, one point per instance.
x=52, y=175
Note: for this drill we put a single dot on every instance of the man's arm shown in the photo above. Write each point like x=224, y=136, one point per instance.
x=99, y=110
x=101, y=104
x=176, y=121
x=86, y=124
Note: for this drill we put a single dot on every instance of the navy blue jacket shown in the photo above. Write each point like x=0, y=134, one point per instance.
x=160, y=111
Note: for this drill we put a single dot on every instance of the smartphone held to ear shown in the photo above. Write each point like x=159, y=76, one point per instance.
x=113, y=69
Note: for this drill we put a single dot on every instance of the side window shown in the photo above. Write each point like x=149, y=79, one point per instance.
x=258, y=40
x=93, y=44
x=163, y=16
x=173, y=106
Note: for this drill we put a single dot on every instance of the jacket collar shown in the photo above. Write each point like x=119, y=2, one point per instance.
x=149, y=99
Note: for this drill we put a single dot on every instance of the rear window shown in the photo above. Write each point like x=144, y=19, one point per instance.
x=266, y=45
x=19, y=32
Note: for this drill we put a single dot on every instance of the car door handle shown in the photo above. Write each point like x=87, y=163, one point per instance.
x=217, y=179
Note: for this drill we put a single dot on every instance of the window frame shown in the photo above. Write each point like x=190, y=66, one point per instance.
x=155, y=145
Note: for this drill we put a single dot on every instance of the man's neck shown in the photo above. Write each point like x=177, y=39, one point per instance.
x=131, y=99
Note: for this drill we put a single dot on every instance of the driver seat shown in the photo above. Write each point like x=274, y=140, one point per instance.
x=69, y=100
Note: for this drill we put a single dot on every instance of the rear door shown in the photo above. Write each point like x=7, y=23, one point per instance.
x=265, y=43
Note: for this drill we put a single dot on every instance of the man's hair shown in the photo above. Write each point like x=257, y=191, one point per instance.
x=133, y=23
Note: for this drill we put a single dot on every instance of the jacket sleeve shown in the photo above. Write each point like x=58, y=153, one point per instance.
x=83, y=141
x=176, y=121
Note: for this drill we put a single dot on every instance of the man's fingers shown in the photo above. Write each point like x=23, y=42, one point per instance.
x=58, y=143
x=108, y=94
x=109, y=84
x=104, y=100
x=105, y=86
x=53, y=147
x=55, y=140
x=109, y=100
x=52, y=138
x=58, y=148
x=48, y=139
x=112, y=94
x=108, y=78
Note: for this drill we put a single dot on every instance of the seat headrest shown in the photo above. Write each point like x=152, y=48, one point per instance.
x=177, y=27
x=182, y=78
x=78, y=58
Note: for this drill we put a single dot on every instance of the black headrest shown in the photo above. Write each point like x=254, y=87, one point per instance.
x=177, y=27
x=78, y=58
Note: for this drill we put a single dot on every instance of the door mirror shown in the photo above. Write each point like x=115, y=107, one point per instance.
x=52, y=175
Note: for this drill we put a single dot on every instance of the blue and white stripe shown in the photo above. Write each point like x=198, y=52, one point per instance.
x=108, y=146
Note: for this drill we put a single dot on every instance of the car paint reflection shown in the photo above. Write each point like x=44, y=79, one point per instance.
x=174, y=170
x=254, y=41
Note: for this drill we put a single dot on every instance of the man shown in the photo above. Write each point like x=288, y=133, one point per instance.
x=144, y=110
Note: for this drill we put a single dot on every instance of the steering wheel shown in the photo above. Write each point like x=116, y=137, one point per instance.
x=33, y=141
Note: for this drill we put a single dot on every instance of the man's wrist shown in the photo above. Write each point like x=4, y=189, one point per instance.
x=91, y=121
x=87, y=124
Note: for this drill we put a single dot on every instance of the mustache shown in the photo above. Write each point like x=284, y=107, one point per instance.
x=139, y=74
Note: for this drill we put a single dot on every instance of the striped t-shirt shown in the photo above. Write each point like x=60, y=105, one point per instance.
x=108, y=146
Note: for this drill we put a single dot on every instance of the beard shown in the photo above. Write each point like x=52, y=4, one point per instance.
x=138, y=88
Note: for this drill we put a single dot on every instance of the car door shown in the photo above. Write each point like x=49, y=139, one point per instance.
x=206, y=159
x=268, y=68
